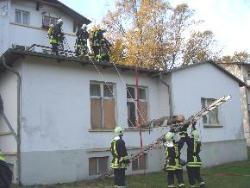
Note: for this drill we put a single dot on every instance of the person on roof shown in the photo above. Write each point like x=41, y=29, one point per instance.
x=56, y=36
x=81, y=46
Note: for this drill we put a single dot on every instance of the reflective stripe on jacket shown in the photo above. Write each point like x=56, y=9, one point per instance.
x=2, y=157
x=172, y=155
x=119, y=153
x=193, y=150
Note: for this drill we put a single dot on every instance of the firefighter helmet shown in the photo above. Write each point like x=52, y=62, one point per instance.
x=84, y=26
x=60, y=21
x=119, y=131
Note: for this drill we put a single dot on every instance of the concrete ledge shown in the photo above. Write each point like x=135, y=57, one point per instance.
x=5, y=133
x=212, y=126
x=101, y=130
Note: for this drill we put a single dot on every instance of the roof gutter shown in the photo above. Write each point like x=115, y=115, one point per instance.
x=169, y=93
x=19, y=87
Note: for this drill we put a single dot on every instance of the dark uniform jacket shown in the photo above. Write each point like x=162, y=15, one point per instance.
x=193, y=150
x=172, y=158
x=119, y=152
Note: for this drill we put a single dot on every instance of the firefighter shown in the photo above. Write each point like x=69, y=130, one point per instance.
x=120, y=159
x=100, y=46
x=193, y=159
x=173, y=166
x=5, y=173
x=56, y=36
x=81, y=47
x=180, y=120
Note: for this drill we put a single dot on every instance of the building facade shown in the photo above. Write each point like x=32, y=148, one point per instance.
x=64, y=109
x=199, y=85
x=25, y=22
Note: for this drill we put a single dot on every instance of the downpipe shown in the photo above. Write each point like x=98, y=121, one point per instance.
x=169, y=94
x=19, y=87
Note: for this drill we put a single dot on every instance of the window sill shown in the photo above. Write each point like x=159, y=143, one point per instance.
x=111, y=130
x=101, y=130
x=212, y=126
x=135, y=129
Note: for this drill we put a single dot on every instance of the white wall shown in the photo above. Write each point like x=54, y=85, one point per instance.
x=190, y=85
x=4, y=25
x=56, y=106
x=8, y=90
x=33, y=33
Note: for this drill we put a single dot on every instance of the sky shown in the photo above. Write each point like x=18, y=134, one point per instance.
x=228, y=19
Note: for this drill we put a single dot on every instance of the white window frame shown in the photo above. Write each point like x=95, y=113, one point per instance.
x=22, y=12
x=102, y=97
x=50, y=20
x=131, y=100
x=208, y=115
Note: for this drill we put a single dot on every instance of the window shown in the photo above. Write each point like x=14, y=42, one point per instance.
x=132, y=105
x=98, y=165
x=22, y=17
x=76, y=26
x=248, y=74
x=140, y=163
x=47, y=20
x=102, y=105
x=212, y=118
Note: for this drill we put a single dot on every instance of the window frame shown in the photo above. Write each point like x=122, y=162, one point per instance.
x=22, y=12
x=50, y=20
x=97, y=170
x=207, y=124
x=248, y=74
x=139, y=168
x=134, y=101
x=102, y=98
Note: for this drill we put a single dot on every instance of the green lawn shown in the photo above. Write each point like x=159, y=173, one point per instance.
x=233, y=175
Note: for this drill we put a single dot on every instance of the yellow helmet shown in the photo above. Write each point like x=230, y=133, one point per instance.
x=169, y=136
x=119, y=131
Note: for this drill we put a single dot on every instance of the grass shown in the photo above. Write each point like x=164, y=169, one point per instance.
x=233, y=175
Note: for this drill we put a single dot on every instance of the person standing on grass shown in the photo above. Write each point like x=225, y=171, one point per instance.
x=173, y=165
x=193, y=159
x=120, y=158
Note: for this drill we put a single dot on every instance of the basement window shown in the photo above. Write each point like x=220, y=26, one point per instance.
x=103, y=105
x=140, y=163
x=98, y=165
x=142, y=111
x=212, y=118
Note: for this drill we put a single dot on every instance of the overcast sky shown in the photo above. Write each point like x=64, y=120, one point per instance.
x=228, y=19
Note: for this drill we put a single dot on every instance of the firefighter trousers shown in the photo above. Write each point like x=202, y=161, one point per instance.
x=195, y=176
x=119, y=176
x=179, y=177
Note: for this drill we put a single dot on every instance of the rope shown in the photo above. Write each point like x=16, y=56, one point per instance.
x=102, y=78
x=123, y=82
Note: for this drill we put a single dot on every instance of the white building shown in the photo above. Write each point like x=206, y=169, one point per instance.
x=64, y=113
x=25, y=22
x=64, y=109
x=242, y=71
x=222, y=130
